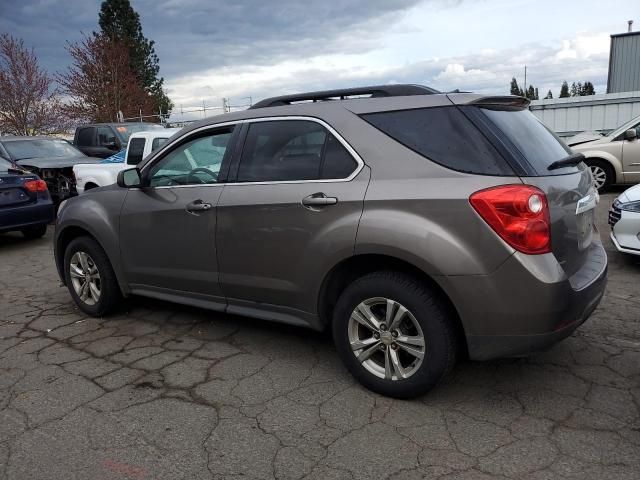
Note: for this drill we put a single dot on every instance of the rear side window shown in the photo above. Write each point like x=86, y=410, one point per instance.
x=532, y=140
x=292, y=150
x=136, y=150
x=443, y=135
x=85, y=137
x=157, y=143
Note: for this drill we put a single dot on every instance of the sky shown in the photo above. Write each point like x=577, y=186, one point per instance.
x=210, y=49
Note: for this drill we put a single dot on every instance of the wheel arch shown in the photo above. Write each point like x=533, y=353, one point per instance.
x=65, y=236
x=608, y=158
x=356, y=266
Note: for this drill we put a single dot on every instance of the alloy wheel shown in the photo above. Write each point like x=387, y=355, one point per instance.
x=599, y=176
x=386, y=338
x=85, y=278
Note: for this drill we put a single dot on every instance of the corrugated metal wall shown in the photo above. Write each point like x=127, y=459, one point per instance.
x=598, y=113
x=624, y=63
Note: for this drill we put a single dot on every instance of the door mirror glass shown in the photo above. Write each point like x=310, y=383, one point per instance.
x=631, y=134
x=129, y=178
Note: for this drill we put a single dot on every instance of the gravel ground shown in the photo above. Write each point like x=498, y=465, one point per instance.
x=168, y=392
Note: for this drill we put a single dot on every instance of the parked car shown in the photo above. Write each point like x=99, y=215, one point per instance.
x=613, y=158
x=418, y=226
x=52, y=159
x=624, y=220
x=104, y=139
x=140, y=145
x=25, y=203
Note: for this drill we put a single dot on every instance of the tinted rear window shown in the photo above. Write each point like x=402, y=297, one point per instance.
x=533, y=141
x=444, y=135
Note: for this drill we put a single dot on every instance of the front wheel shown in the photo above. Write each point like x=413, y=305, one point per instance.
x=394, y=334
x=90, y=278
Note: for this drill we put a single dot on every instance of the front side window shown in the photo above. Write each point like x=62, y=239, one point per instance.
x=292, y=150
x=195, y=162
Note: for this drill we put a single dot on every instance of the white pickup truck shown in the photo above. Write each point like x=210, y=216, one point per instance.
x=141, y=144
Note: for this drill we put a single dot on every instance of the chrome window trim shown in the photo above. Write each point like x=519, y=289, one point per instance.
x=345, y=144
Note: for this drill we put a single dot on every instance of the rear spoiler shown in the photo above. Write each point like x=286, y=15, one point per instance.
x=502, y=102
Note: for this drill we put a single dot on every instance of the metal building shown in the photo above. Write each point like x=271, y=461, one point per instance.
x=624, y=63
x=594, y=113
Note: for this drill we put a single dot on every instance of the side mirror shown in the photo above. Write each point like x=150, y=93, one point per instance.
x=129, y=178
x=631, y=134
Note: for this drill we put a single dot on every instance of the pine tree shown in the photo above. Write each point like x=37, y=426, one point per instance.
x=588, y=89
x=531, y=93
x=564, y=90
x=536, y=94
x=515, y=89
x=118, y=20
x=549, y=95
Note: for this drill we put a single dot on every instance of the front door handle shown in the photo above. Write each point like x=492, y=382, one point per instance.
x=318, y=200
x=198, y=206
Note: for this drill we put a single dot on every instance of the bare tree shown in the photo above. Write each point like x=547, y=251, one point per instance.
x=29, y=103
x=100, y=82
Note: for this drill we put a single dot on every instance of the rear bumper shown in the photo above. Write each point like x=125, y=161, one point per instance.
x=528, y=304
x=17, y=218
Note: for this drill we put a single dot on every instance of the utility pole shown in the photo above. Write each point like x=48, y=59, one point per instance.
x=525, y=80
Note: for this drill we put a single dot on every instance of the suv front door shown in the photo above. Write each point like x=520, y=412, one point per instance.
x=168, y=228
x=292, y=209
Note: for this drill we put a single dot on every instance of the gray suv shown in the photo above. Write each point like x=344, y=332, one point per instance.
x=420, y=227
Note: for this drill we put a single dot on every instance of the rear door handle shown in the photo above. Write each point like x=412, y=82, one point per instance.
x=198, y=206
x=318, y=200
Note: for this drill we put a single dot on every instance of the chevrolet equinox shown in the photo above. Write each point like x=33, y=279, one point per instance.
x=418, y=226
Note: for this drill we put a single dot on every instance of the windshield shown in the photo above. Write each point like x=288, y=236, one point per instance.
x=538, y=145
x=126, y=130
x=40, y=148
x=6, y=165
x=633, y=123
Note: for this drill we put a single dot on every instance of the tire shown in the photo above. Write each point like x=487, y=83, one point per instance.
x=106, y=283
x=425, y=310
x=36, y=231
x=603, y=174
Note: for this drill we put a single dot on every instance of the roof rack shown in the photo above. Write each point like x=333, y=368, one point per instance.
x=399, y=90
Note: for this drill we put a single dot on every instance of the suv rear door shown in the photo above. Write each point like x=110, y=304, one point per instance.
x=291, y=208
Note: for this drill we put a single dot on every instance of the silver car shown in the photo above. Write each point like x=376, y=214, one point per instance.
x=419, y=227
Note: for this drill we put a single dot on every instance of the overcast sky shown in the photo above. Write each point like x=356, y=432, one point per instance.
x=211, y=49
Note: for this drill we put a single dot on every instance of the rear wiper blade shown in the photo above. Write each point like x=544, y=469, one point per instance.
x=573, y=159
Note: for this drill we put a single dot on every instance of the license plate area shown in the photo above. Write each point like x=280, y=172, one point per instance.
x=13, y=196
x=585, y=226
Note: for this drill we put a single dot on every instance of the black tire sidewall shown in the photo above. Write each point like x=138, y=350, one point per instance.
x=428, y=311
x=35, y=231
x=109, y=290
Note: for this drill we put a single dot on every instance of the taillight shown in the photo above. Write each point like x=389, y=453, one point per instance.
x=36, y=186
x=519, y=214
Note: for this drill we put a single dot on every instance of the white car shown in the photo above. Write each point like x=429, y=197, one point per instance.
x=140, y=145
x=624, y=219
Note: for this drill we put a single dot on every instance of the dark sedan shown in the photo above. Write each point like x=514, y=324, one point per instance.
x=25, y=203
x=52, y=159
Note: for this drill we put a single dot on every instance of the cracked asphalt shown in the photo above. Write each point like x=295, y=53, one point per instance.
x=167, y=392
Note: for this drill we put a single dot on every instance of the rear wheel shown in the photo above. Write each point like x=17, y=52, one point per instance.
x=36, y=231
x=603, y=174
x=90, y=278
x=394, y=334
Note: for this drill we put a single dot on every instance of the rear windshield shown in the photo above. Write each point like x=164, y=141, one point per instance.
x=444, y=135
x=531, y=139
